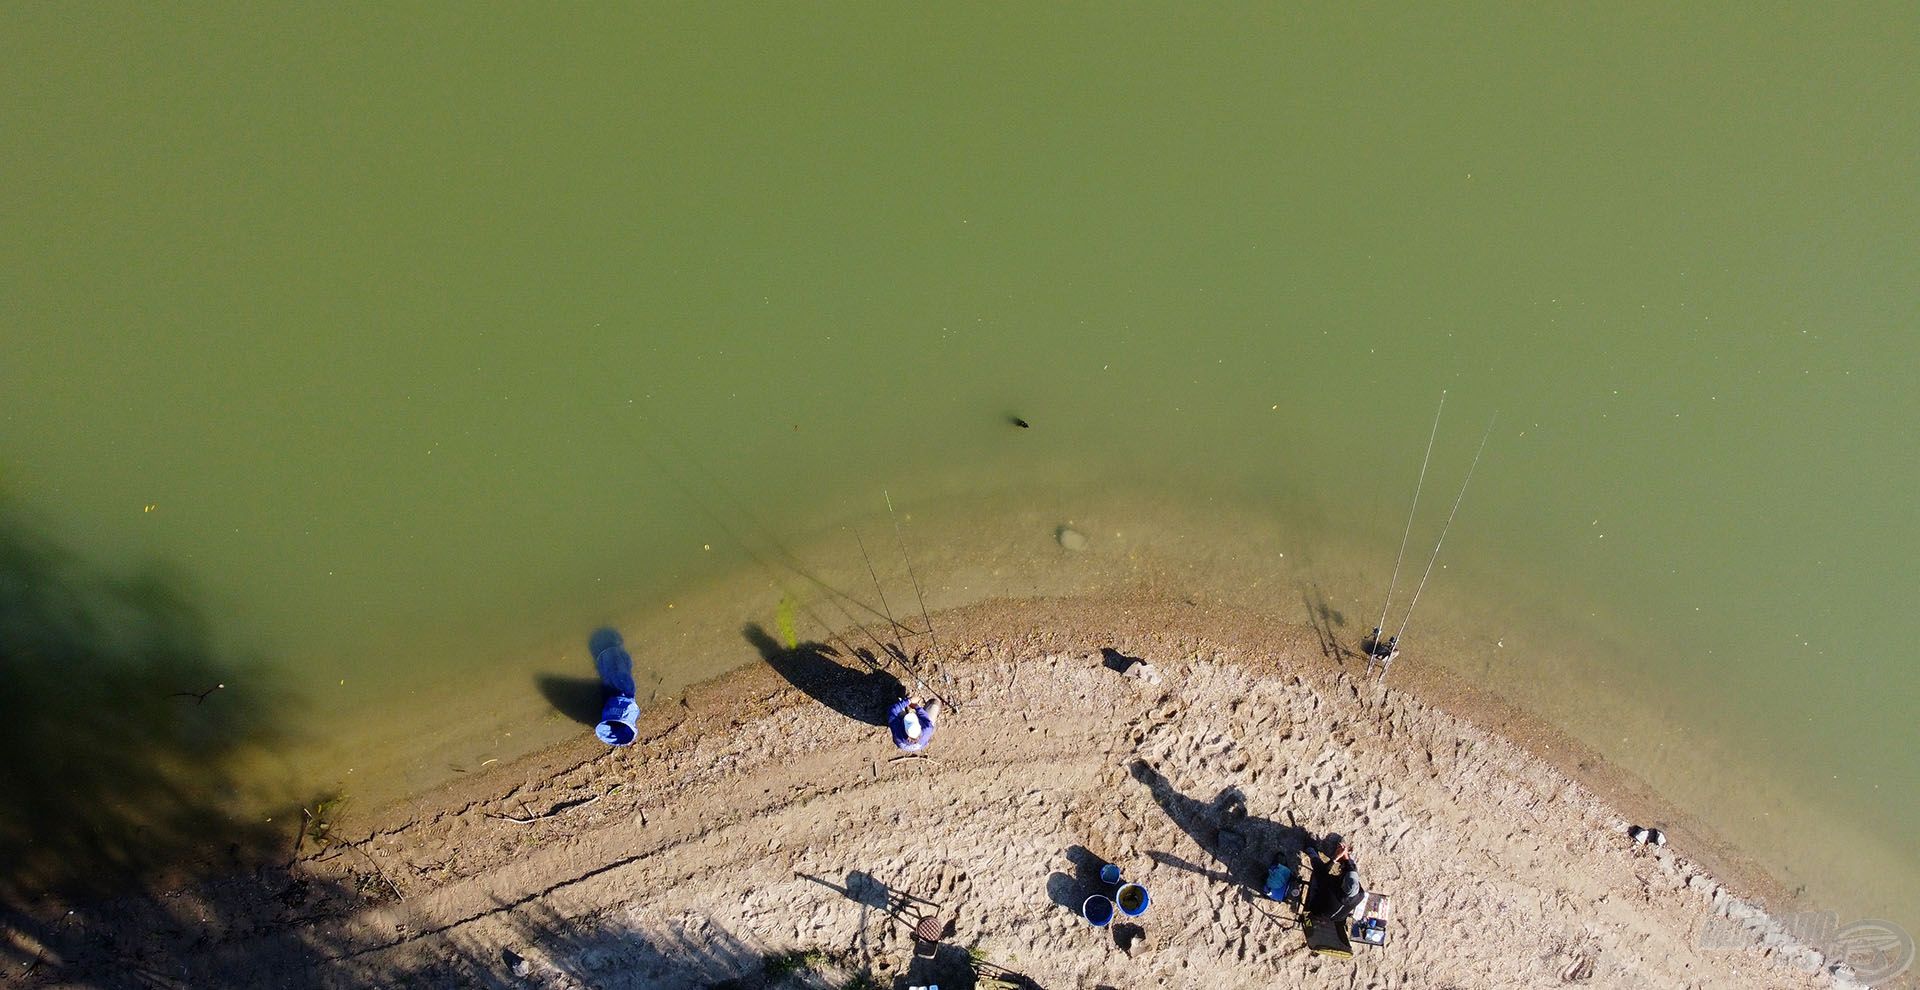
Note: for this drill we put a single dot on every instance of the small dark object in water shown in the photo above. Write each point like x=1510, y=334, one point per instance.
x=1021, y=423
x=199, y=697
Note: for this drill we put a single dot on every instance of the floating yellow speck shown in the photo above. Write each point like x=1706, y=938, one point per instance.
x=148, y=508
x=706, y=546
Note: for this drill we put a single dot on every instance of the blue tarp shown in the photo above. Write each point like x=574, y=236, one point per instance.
x=620, y=715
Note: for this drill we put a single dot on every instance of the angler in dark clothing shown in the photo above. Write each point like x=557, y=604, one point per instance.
x=1336, y=889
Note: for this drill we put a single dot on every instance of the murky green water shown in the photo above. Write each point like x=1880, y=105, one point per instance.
x=359, y=323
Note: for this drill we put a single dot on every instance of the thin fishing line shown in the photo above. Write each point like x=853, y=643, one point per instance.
x=1428, y=456
x=1443, y=530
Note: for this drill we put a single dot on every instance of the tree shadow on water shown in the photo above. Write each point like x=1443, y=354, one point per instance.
x=862, y=693
x=123, y=732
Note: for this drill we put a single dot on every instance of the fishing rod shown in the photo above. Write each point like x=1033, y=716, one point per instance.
x=1427, y=457
x=789, y=559
x=791, y=562
x=881, y=647
x=901, y=541
x=882, y=592
x=793, y=596
x=706, y=508
x=899, y=650
x=1443, y=530
x=863, y=656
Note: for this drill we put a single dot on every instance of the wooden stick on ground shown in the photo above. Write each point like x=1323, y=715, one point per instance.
x=376, y=868
x=557, y=809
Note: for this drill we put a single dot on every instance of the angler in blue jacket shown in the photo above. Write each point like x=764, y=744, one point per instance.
x=912, y=723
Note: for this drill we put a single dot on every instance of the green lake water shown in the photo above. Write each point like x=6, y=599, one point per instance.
x=373, y=329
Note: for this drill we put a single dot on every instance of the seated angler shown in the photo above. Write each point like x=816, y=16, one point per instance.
x=1335, y=890
x=912, y=723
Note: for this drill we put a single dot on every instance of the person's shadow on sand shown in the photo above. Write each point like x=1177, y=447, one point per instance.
x=1243, y=845
x=863, y=693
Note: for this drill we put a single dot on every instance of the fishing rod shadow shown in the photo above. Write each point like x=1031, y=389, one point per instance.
x=863, y=693
x=1326, y=622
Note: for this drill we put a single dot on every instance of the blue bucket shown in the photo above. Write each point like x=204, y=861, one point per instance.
x=1110, y=873
x=1132, y=900
x=1098, y=911
x=1280, y=883
x=619, y=721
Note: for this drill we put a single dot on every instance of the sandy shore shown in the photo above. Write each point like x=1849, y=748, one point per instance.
x=762, y=832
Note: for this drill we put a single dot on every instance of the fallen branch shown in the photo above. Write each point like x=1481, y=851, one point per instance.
x=915, y=756
x=557, y=809
x=376, y=868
